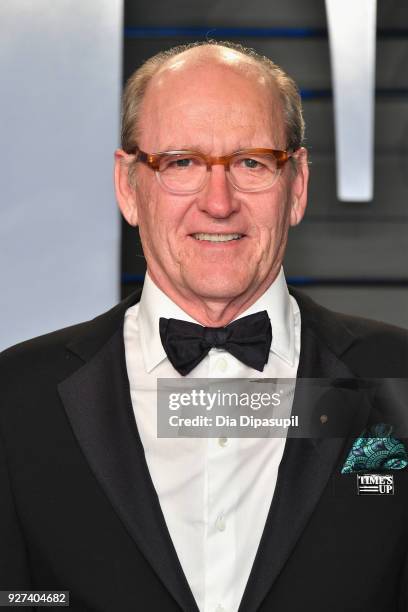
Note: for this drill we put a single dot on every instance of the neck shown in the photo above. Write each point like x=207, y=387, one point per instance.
x=214, y=312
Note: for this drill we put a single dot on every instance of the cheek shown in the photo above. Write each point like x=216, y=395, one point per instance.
x=160, y=222
x=271, y=219
x=271, y=226
x=149, y=215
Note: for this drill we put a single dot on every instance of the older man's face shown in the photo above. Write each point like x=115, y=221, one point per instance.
x=217, y=110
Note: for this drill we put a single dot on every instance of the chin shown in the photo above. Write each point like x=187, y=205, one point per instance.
x=217, y=286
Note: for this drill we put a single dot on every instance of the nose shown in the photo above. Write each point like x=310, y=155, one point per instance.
x=219, y=198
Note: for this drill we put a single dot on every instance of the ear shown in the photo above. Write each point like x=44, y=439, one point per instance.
x=298, y=192
x=125, y=193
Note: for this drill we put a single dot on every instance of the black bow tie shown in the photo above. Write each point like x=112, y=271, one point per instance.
x=248, y=339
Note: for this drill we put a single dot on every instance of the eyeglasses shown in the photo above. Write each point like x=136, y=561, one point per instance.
x=248, y=170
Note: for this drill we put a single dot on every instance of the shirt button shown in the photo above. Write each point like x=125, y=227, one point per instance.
x=223, y=442
x=220, y=523
x=221, y=364
x=220, y=608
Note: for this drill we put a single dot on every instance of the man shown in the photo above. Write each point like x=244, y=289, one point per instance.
x=213, y=172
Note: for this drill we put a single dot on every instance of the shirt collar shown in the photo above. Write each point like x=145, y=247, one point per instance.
x=155, y=304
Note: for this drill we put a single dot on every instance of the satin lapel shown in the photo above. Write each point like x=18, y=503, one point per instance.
x=97, y=401
x=304, y=471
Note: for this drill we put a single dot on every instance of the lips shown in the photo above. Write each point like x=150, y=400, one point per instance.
x=217, y=237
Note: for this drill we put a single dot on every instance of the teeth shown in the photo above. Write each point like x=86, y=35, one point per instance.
x=217, y=237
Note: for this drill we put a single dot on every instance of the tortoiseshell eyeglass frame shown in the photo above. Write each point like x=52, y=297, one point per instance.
x=153, y=161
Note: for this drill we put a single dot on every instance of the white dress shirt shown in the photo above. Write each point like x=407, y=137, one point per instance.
x=214, y=493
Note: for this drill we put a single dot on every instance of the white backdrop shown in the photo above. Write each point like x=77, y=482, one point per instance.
x=352, y=38
x=60, y=72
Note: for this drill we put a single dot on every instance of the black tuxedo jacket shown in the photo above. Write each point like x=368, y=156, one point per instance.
x=78, y=510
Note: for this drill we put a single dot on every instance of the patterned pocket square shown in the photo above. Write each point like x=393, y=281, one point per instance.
x=376, y=449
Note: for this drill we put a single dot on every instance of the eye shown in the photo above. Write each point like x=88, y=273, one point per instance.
x=248, y=162
x=175, y=163
x=182, y=163
x=251, y=164
x=257, y=164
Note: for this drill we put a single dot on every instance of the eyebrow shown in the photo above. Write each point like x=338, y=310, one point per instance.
x=201, y=149
x=183, y=147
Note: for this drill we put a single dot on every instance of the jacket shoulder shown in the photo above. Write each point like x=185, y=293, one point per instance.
x=377, y=345
x=371, y=348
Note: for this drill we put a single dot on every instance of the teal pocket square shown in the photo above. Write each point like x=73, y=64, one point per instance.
x=376, y=449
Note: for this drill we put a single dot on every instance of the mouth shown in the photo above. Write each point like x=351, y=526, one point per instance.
x=217, y=237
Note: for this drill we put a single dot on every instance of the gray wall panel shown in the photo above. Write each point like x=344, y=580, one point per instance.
x=306, y=60
x=389, y=305
x=391, y=125
x=354, y=250
x=392, y=58
x=257, y=13
x=392, y=14
x=390, y=191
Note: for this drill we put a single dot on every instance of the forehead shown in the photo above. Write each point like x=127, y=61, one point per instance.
x=209, y=99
